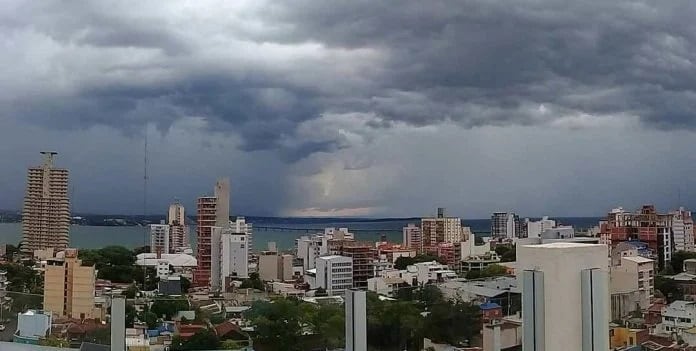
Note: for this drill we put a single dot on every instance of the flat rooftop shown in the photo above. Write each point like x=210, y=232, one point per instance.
x=563, y=245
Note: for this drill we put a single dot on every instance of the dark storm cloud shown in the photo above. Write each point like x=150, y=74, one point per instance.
x=459, y=59
x=476, y=63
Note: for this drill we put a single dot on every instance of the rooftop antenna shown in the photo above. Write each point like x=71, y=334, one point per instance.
x=145, y=228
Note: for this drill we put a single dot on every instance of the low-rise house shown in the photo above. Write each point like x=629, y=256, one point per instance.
x=286, y=289
x=620, y=336
x=431, y=272
x=509, y=330
x=501, y=290
x=677, y=317
x=386, y=286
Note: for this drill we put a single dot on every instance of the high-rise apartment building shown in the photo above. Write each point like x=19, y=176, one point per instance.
x=46, y=212
x=507, y=225
x=335, y=274
x=565, y=296
x=69, y=287
x=212, y=211
x=176, y=214
x=363, y=256
x=159, y=238
x=440, y=229
x=310, y=247
x=230, y=253
x=172, y=237
x=645, y=225
x=412, y=237
x=683, y=230
x=178, y=231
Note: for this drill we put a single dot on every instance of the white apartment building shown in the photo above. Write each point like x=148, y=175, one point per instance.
x=677, y=317
x=565, y=296
x=310, y=247
x=159, y=238
x=431, y=272
x=334, y=274
x=230, y=252
x=683, y=230
x=535, y=228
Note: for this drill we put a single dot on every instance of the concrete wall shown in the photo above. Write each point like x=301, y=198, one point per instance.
x=561, y=302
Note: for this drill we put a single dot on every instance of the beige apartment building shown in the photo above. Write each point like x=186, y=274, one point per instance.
x=46, y=212
x=440, y=229
x=69, y=287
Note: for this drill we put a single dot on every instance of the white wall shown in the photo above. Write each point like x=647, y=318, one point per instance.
x=562, y=265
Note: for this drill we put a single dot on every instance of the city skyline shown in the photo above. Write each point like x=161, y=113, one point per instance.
x=354, y=109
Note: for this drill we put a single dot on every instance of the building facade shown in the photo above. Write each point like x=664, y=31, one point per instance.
x=644, y=225
x=334, y=274
x=363, y=256
x=231, y=247
x=178, y=231
x=356, y=320
x=46, y=211
x=212, y=211
x=677, y=317
x=412, y=238
x=535, y=228
x=159, y=238
x=69, y=287
x=683, y=230
x=507, y=225
x=309, y=247
x=565, y=296
x=440, y=229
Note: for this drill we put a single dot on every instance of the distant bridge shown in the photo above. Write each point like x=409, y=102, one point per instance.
x=318, y=230
x=321, y=230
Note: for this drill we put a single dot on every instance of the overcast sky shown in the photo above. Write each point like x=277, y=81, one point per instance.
x=368, y=108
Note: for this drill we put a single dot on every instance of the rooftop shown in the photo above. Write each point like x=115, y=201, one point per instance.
x=331, y=257
x=563, y=245
x=637, y=259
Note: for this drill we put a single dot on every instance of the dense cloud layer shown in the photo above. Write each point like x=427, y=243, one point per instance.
x=312, y=96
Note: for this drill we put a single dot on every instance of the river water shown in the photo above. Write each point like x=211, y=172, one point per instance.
x=370, y=230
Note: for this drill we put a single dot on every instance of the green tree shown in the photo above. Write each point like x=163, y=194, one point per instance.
x=328, y=321
x=669, y=289
x=149, y=318
x=54, y=342
x=169, y=307
x=131, y=313
x=493, y=270
x=217, y=318
x=402, y=262
x=99, y=336
x=252, y=282
x=131, y=291
x=277, y=324
x=185, y=284
x=393, y=325
x=453, y=322
x=203, y=340
x=233, y=344
x=678, y=260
